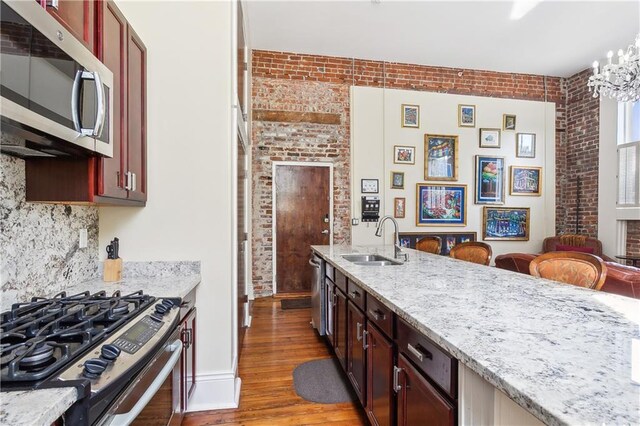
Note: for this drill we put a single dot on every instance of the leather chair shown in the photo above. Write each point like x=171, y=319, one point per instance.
x=580, y=269
x=429, y=245
x=578, y=242
x=621, y=279
x=472, y=251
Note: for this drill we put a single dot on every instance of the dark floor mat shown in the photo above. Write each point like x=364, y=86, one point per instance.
x=297, y=303
x=322, y=381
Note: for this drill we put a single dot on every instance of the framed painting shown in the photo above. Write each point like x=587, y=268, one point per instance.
x=369, y=186
x=441, y=205
x=489, y=138
x=466, y=116
x=397, y=180
x=449, y=239
x=508, y=122
x=404, y=154
x=411, y=116
x=525, y=180
x=399, y=207
x=525, y=145
x=506, y=223
x=440, y=157
x=489, y=180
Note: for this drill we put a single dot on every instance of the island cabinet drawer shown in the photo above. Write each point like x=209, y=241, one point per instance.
x=356, y=294
x=430, y=359
x=380, y=315
x=340, y=280
x=330, y=271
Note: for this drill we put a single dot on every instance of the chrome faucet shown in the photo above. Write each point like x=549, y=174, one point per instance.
x=396, y=245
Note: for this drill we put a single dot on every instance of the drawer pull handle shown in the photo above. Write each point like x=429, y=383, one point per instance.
x=354, y=294
x=419, y=352
x=396, y=379
x=365, y=345
x=377, y=314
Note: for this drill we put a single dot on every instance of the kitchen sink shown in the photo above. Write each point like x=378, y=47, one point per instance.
x=370, y=260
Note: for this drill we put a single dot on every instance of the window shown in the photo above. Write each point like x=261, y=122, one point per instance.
x=628, y=154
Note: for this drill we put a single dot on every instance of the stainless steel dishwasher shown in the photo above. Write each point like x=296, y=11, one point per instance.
x=318, y=314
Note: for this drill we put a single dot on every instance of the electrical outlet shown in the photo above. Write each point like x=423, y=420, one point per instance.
x=83, y=238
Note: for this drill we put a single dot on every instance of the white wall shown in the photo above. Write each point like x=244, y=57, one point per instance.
x=376, y=128
x=189, y=211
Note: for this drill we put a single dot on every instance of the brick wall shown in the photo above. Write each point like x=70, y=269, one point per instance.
x=577, y=157
x=316, y=89
x=633, y=238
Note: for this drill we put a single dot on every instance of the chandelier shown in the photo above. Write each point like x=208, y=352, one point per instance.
x=619, y=81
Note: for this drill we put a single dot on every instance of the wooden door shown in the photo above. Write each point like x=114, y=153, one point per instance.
x=302, y=204
x=77, y=16
x=356, y=353
x=379, y=378
x=137, y=136
x=112, y=51
x=419, y=402
x=340, y=326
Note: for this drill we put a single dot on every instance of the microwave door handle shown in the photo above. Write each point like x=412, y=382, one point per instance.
x=101, y=113
x=75, y=101
x=126, y=418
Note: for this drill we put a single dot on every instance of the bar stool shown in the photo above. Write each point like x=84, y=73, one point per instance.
x=570, y=267
x=472, y=251
x=429, y=245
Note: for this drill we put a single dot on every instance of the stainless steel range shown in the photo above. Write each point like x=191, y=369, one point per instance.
x=117, y=350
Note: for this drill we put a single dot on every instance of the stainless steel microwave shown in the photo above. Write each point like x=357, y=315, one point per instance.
x=56, y=95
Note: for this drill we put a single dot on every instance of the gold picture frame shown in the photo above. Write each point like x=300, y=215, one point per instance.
x=466, y=115
x=403, y=154
x=411, y=116
x=397, y=180
x=525, y=181
x=441, y=157
x=399, y=207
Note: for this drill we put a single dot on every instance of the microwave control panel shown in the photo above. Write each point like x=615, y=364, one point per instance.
x=370, y=208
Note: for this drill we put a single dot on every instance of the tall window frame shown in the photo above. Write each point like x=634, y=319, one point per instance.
x=628, y=147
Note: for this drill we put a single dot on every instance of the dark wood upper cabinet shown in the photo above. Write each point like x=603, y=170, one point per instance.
x=136, y=174
x=122, y=179
x=77, y=16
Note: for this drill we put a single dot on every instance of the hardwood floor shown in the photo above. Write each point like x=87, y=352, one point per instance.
x=276, y=343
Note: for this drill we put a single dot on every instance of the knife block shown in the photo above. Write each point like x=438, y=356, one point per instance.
x=112, y=270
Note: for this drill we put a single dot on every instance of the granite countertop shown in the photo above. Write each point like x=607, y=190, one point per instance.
x=561, y=352
x=43, y=406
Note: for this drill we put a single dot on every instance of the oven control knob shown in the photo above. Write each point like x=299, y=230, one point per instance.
x=168, y=303
x=161, y=309
x=110, y=352
x=94, y=367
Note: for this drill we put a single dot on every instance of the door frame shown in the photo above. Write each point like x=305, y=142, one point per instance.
x=274, y=248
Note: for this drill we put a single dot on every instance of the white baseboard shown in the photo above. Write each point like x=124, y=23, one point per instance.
x=215, y=392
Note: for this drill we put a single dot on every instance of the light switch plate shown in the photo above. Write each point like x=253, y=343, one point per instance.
x=83, y=238
x=355, y=221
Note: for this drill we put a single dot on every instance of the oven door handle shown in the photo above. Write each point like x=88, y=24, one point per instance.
x=126, y=418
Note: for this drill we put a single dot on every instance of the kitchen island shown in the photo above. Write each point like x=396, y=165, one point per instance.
x=562, y=353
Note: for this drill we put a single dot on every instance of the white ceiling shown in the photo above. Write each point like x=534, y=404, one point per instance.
x=557, y=38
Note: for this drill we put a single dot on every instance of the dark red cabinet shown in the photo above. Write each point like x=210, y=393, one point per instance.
x=419, y=402
x=340, y=326
x=122, y=179
x=77, y=16
x=380, y=395
x=356, y=350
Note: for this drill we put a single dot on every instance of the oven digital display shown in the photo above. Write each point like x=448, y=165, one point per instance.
x=138, y=334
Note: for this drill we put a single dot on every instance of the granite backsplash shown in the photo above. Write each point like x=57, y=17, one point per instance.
x=39, y=250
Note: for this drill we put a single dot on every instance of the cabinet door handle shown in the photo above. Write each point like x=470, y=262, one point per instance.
x=396, y=379
x=419, y=352
x=365, y=345
x=127, y=181
x=377, y=314
x=335, y=299
x=354, y=294
x=133, y=185
x=358, y=331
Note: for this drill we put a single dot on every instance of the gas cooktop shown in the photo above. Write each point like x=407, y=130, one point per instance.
x=40, y=337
